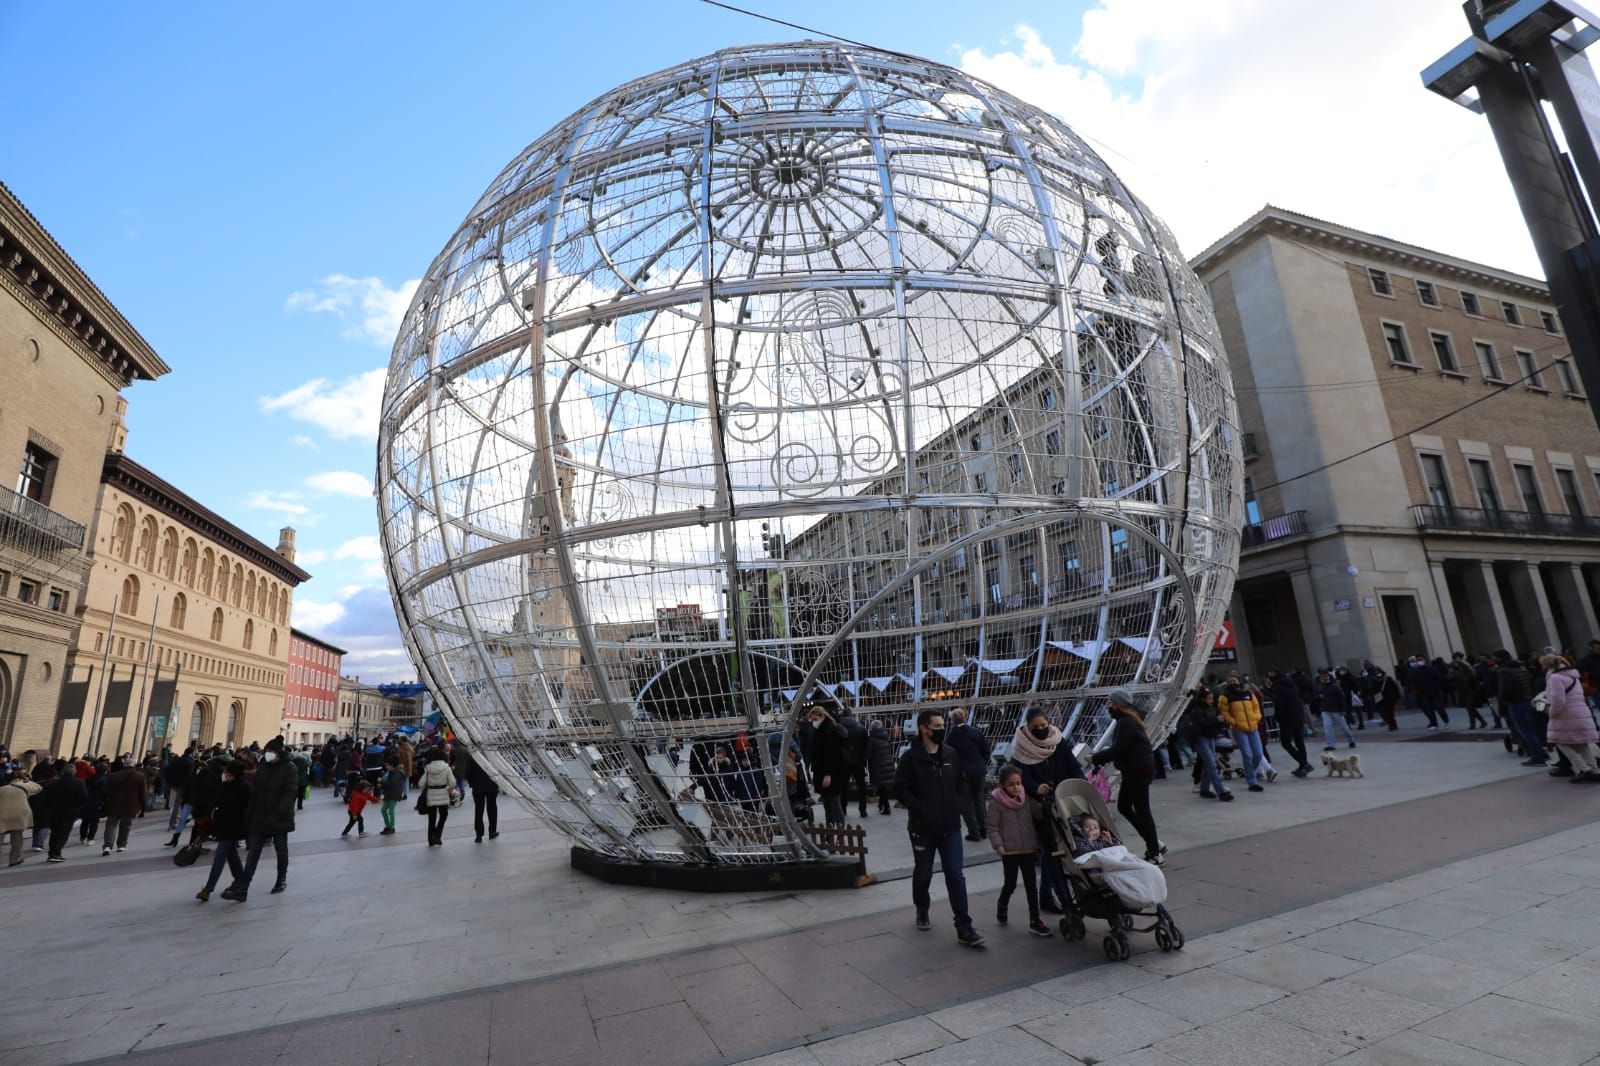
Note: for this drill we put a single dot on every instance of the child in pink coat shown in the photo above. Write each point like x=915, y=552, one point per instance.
x=1011, y=833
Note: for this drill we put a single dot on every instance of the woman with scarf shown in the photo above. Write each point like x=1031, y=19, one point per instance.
x=1045, y=761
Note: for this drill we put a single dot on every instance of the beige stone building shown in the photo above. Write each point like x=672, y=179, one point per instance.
x=176, y=586
x=365, y=710
x=1389, y=512
x=66, y=354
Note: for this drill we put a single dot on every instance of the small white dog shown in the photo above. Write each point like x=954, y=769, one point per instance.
x=1343, y=765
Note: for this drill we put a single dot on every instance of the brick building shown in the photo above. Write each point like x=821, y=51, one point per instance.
x=311, y=689
x=1387, y=512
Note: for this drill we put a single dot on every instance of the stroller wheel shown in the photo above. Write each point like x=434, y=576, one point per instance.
x=1072, y=928
x=1112, y=949
x=1163, y=938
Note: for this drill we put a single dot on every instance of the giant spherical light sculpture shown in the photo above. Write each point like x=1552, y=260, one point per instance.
x=799, y=374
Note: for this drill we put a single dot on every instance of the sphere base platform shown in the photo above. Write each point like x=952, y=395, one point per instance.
x=718, y=877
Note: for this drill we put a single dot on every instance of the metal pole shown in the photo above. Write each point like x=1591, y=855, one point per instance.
x=111, y=629
x=149, y=651
x=138, y=740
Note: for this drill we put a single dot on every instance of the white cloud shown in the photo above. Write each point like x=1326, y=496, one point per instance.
x=344, y=409
x=365, y=549
x=300, y=440
x=283, y=503
x=370, y=309
x=1209, y=111
x=310, y=615
x=341, y=483
x=311, y=557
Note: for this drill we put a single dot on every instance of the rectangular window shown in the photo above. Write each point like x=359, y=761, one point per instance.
x=1513, y=316
x=1469, y=303
x=1048, y=399
x=1443, y=351
x=1569, y=377
x=1483, y=481
x=1437, y=485
x=1394, y=335
x=28, y=591
x=1548, y=321
x=1528, y=487
x=1568, y=484
x=1006, y=426
x=58, y=600
x=977, y=442
x=980, y=482
x=1487, y=361
x=38, y=474
x=1380, y=281
x=1052, y=442
x=1015, y=461
x=1527, y=368
x=1252, y=506
x=1426, y=293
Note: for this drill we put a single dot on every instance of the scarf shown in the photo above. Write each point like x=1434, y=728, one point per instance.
x=1002, y=797
x=1029, y=751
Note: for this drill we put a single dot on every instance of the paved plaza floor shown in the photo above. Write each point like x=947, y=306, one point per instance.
x=1440, y=910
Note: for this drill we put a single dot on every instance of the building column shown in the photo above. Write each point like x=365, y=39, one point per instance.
x=1484, y=591
x=1572, y=594
x=1241, y=633
x=1533, y=605
x=1447, y=608
x=1310, y=612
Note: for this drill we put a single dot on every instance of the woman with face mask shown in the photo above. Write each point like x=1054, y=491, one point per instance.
x=228, y=823
x=1046, y=760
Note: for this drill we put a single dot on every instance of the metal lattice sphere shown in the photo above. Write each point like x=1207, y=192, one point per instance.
x=797, y=374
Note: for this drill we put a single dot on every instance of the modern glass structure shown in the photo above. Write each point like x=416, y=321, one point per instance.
x=797, y=374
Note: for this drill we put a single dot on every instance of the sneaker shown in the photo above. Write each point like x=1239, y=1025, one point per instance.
x=1154, y=858
x=1038, y=928
x=361, y=833
x=1535, y=762
x=970, y=938
x=1225, y=797
x=1352, y=743
x=36, y=847
x=1206, y=793
x=106, y=850
x=1272, y=775
x=1329, y=747
x=120, y=848
x=56, y=858
x=923, y=925
x=237, y=895
x=1256, y=788
x=1433, y=729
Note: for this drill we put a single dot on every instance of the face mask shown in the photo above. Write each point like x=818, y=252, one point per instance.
x=1041, y=732
x=270, y=756
x=227, y=777
x=936, y=735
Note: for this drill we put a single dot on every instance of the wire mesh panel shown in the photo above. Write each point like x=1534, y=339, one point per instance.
x=798, y=375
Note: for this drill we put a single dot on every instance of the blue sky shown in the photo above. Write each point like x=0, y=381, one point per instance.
x=254, y=192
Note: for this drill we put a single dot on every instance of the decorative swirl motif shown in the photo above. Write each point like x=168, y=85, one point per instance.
x=815, y=606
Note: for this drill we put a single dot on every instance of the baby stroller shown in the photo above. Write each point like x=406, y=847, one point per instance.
x=1087, y=894
x=1226, y=749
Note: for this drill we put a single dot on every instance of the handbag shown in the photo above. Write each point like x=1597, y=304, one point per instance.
x=422, y=801
x=455, y=797
x=187, y=855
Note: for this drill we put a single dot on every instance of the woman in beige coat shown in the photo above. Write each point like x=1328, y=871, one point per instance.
x=16, y=816
x=437, y=784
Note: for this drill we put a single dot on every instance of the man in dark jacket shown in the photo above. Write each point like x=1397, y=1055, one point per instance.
x=175, y=775
x=124, y=796
x=1427, y=684
x=200, y=797
x=271, y=817
x=1290, y=713
x=925, y=782
x=830, y=763
x=63, y=798
x=971, y=749
x=1516, y=700
x=485, y=798
x=855, y=752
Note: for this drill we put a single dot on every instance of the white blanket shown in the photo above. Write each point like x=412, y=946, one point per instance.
x=1138, y=884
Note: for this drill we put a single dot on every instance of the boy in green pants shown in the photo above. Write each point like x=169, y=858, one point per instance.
x=394, y=787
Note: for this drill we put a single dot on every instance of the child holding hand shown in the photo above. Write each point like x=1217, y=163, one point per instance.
x=361, y=794
x=1012, y=834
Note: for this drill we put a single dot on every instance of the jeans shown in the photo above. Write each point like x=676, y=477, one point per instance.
x=280, y=847
x=388, y=813
x=227, y=854
x=179, y=818
x=1522, y=720
x=1292, y=738
x=948, y=850
x=490, y=802
x=1205, y=753
x=1329, y=720
x=117, y=831
x=1024, y=865
x=972, y=810
x=436, y=820
x=1248, y=741
x=1133, y=803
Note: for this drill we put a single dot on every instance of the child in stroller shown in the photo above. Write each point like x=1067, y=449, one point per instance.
x=1103, y=880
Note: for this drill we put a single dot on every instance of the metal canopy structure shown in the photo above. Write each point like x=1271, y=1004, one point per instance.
x=797, y=374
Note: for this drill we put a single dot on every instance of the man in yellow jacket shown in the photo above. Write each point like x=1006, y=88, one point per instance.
x=1241, y=710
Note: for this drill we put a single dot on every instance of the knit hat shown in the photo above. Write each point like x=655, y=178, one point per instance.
x=1124, y=697
x=275, y=744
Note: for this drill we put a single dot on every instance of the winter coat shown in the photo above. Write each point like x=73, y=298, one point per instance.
x=1287, y=707
x=358, y=802
x=1011, y=823
x=407, y=755
x=1240, y=709
x=971, y=748
x=1331, y=698
x=15, y=813
x=176, y=774
x=830, y=758
x=94, y=786
x=880, y=755
x=1061, y=765
x=482, y=784
x=394, y=784
x=1570, y=720
x=230, y=815
x=302, y=766
x=925, y=781
x=1516, y=684
x=201, y=795
x=855, y=741
x=124, y=793
x=64, y=797
x=438, y=781
x=272, y=803
x=1129, y=749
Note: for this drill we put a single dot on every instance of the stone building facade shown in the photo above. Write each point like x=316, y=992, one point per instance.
x=178, y=591
x=1423, y=468
x=66, y=355
x=365, y=710
x=311, y=689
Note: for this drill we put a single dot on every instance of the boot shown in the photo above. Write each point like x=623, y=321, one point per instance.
x=173, y=842
x=279, y=887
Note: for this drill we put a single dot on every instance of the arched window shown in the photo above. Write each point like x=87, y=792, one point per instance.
x=169, y=553
x=237, y=588
x=206, y=565
x=272, y=643
x=191, y=553
x=145, y=556
x=250, y=593
x=180, y=610
x=249, y=633
x=224, y=573
x=235, y=712
x=197, y=721
x=122, y=533
x=216, y=624
x=283, y=608
x=130, y=595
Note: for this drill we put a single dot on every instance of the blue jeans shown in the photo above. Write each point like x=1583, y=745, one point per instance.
x=1248, y=741
x=227, y=854
x=1205, y=749
x=948, y=850
x=179, y=818
x=1522, y=721
x=1329, y=720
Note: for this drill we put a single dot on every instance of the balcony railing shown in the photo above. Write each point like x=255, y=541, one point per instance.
x=34, y=528
x=1480, y=520
x=1247, y=444
x=1278, y=527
